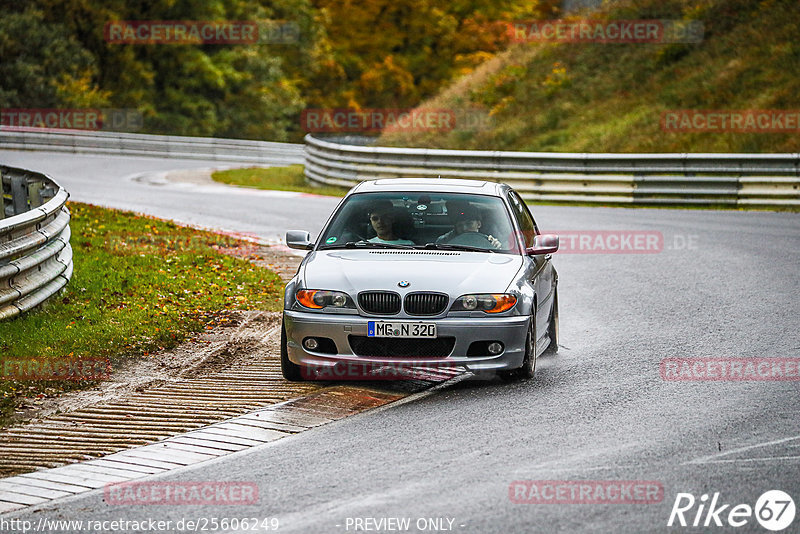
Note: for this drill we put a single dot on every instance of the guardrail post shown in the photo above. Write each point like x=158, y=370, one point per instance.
x=2, y=197
x=35, y=194
x=19, y=194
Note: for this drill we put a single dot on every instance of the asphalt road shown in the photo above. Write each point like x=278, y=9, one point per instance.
x=137, y=184
x=599, y=410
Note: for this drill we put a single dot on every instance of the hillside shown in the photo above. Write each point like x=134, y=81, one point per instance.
x=594, y=97
x=95, y=54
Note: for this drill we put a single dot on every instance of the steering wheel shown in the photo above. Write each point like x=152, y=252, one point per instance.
x=471, y=239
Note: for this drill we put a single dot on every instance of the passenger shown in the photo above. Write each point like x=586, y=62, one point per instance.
x=384, y=218
x=467, y=230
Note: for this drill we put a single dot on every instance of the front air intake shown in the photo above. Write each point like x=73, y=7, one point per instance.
x=425, y=303
x=379, y=302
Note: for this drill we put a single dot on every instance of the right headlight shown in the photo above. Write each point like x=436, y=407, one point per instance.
x=316, y=299
x=486, y=302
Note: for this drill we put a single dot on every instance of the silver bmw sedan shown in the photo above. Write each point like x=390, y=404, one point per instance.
x=421, y=273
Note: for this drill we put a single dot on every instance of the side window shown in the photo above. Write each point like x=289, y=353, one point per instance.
x=523, y=216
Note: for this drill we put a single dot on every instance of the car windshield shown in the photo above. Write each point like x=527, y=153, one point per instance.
x=425, y=220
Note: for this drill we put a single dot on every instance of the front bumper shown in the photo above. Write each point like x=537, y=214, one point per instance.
x=511, y=331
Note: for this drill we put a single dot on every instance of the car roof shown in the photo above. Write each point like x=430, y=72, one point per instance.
x=443, y=185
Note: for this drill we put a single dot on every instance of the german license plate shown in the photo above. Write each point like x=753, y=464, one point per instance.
x=400, y=329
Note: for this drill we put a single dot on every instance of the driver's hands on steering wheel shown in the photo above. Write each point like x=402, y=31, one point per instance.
x=494, y=241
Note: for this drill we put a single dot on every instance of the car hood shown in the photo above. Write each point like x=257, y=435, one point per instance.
x=455, y=273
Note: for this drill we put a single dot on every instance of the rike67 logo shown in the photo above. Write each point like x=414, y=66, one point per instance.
x=774, y=510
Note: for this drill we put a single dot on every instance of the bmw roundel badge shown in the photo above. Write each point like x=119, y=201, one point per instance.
x=403, y=283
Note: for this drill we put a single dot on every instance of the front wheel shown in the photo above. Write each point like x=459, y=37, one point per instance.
x=528, y=369
x=290, y=370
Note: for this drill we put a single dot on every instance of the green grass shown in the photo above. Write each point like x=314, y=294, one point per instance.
x=289, y=178
x=587, y=97
x=140, y=285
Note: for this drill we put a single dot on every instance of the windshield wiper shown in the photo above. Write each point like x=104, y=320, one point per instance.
x=429, y=246
x=467, y=248
x=364, y=243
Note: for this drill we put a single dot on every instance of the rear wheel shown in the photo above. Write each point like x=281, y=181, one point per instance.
x=290, y=370
x=552, y=328
x=528, y=369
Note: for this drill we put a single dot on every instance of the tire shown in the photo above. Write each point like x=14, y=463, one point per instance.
x=528, y=368
x=290, y=370
x=552, y=328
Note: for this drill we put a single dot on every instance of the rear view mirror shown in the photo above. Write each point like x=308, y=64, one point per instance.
x=299, y=239
x=543, y=244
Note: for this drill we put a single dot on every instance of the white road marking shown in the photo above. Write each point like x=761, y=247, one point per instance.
x=763, y=459
x=705, y=459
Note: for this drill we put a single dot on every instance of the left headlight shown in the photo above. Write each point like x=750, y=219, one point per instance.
x=486, y=302
x=317, y=299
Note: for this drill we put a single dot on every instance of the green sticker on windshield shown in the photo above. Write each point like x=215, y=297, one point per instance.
x=331, y=240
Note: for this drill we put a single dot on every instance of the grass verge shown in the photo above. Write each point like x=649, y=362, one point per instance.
x=140, y=285
x=289, y=178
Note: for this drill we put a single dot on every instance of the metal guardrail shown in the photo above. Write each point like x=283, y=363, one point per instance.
x=35, y=254
x=732, y=180
x=128, y=144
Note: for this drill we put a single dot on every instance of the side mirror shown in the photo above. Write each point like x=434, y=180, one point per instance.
x=543, y=244
x=299, y=239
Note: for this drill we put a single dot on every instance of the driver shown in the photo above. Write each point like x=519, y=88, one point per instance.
x=467, y=230
x=383, y=217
